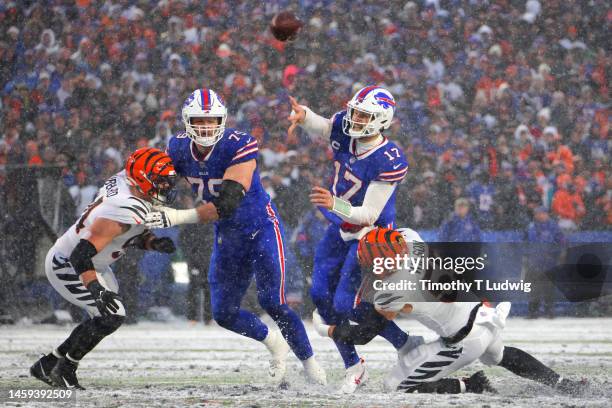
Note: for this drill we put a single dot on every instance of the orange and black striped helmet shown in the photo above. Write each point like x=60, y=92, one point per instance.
x=152, y=172
x=380, y=243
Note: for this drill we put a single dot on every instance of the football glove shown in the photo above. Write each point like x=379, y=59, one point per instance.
x=166, y=217
x=107, y=301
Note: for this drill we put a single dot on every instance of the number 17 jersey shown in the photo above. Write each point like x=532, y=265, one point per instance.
x=354, y=172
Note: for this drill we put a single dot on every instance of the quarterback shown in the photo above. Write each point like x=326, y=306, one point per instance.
x=367, y=169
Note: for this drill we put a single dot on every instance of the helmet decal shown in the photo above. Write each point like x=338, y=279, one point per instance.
x=384, y=100
x=189, y=99
x=364, y=92
x=206, y=99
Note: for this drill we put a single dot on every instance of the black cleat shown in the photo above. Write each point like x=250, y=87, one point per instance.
x=572, y=387
x=479, y=383
x=42, y=368
x=63, y=374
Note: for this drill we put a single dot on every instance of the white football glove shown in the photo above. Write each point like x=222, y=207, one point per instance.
x=320, y=327
x=166, y=217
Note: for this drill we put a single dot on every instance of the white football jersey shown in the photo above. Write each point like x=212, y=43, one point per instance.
x=114, y=202
x=443, y=318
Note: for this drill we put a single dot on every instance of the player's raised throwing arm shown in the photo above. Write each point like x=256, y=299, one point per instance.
x=314, y=125
x=236, y=182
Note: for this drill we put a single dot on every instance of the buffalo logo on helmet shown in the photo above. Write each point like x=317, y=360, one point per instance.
x=384, y=100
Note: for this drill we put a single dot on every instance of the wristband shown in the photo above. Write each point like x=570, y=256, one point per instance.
x=341, y=207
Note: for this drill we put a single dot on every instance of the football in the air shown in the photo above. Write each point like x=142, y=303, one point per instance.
x=285, y=26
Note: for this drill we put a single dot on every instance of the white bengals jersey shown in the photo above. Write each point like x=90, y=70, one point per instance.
x=114, y=202
x=445, y=319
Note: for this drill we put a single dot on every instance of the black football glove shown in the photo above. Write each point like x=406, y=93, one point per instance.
x=107, y=302
x=163, y=244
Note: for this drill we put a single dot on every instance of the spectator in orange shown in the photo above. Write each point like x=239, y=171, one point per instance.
x=33, y=156
x=567, y=204
x=557, y=151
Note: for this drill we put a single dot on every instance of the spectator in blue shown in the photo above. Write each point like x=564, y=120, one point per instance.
x=461, y=227
x=482, y=193
x=545, y=242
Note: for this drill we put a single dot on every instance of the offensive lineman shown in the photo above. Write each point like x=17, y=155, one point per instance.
x=78, y=264
x=368, y=168
x=468, y=331
x=220, y=164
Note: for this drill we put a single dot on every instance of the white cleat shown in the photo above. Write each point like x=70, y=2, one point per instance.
x=355, y=376
x=279, y=348
x=314, y=372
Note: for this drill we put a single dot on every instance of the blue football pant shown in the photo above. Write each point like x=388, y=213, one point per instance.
x=336, y=279
x=236, y=258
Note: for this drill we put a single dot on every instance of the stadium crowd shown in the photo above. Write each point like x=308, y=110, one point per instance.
x=504, y=103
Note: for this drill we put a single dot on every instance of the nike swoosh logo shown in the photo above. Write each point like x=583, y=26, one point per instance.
x=67, y=384
x=253, y=235
x=397, y=166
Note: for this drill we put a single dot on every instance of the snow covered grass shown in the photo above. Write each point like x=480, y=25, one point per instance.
x=178, y=364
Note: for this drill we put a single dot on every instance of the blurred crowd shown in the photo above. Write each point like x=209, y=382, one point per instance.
x=502, y=106
x=503, y=103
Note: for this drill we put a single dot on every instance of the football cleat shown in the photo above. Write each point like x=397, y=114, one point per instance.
x=279, y=348
x=478, y=383
x=42, y=368
x=314, y=372
x=63, y=374
x=355, y=376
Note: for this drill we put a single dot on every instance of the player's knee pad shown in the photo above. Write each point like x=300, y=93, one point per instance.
x=106, y=325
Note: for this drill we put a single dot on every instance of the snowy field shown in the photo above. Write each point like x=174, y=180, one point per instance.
x=178, y=364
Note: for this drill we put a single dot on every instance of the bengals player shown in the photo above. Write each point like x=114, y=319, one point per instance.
x=468, y=331
x=78, y=264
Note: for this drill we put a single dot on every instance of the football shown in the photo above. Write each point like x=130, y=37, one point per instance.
x=285, y=26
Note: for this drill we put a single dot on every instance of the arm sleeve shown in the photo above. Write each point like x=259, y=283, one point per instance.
x=376, y=197
x=316, y=125
x=359, y=334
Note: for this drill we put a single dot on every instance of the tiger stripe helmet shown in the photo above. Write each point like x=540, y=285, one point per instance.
x=380, y=243
x=152, y=172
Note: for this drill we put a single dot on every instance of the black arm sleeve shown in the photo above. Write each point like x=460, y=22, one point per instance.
x=230, y=196
x=81, y=255
x=362, y=333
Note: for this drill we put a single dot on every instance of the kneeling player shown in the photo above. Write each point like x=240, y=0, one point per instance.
x=468, y=331
x=78, y=264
